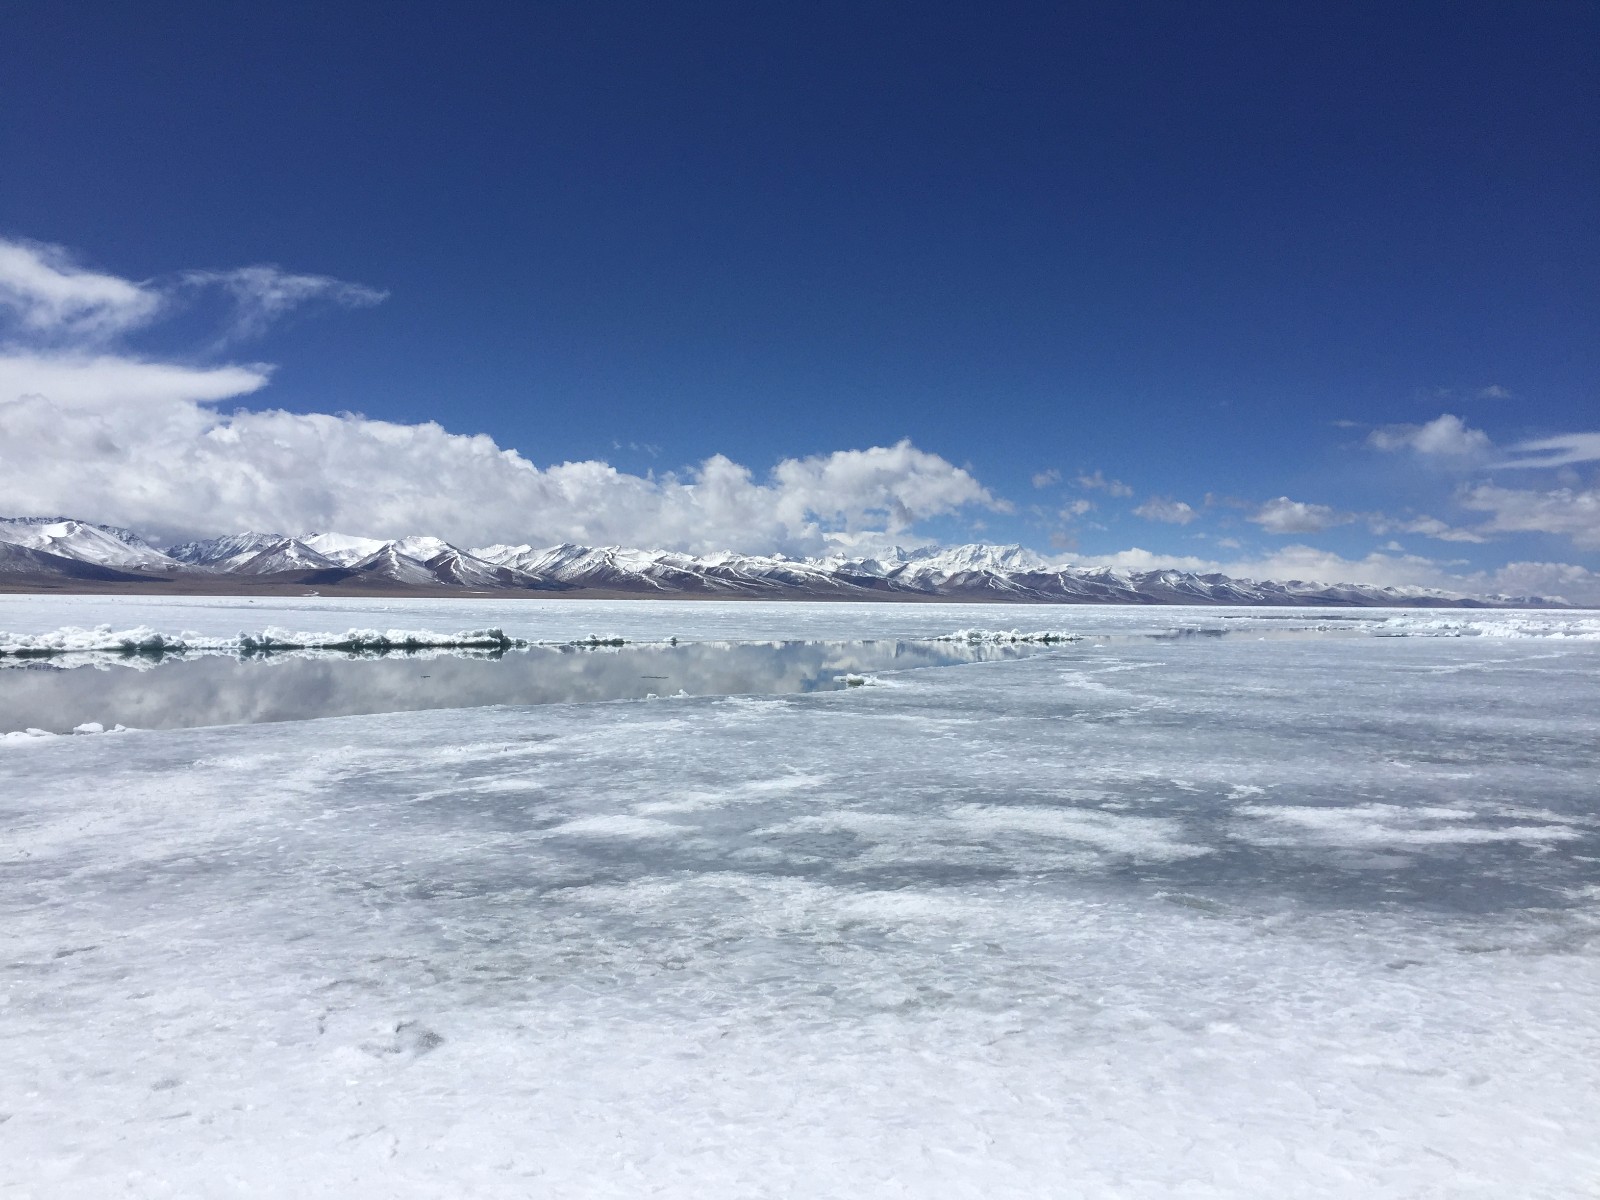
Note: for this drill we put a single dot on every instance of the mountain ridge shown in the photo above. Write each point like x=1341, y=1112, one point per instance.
x=57, y=552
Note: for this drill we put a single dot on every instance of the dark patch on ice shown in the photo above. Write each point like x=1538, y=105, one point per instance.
x=411, y=1040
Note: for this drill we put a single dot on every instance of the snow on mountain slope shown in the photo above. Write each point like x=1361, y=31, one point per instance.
x=973, y=572
x=252, y=554
x=220, y=551
x=26, y=564
x=289, y=554
x=417, y=560
x=455, y=566
x=343, y=548
x=387, y=562
x=952, y=560
x=102, y=545
x=423, y=548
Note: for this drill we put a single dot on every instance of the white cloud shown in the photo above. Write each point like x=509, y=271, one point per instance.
x=1098, y=482
x=113, y=437
x=53, y=302
x=1560, y=451
x=1314, y=565
x=1284, y=515
x=1162, y=508
x=176, y=468
x=1044, y=479
x=1446, y=436
x=51, y=297
x=1076, y=508
x=108, y=380
x=1568, y=580
x=1572, y=512
x=120, y=439
x=1307, y=563
x=1426, y=526
x=1495, y=392
x=264, y=294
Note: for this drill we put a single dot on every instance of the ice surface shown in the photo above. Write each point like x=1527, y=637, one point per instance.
x=1584, y=625
x=1043, y=637
x=1214, y=917
x=143, y=639
x=187, y=691
x=196, y=618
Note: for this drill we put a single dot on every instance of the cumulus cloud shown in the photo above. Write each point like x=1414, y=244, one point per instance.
x=176, y=468
x=115, y=437
x=1294, y=562
x=1426, y=526
x=1312, y=565
x=1284, y=516
x=1043, y=479
x=1447, y=436
x=95, y=432
x=1573, y=512
x=1098, y=482
x=1567, y=580
x=1167, y=510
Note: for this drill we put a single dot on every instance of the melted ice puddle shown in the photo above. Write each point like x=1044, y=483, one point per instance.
x=185, y=692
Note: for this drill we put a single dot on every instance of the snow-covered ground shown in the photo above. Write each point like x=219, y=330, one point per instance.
x=1202, y=917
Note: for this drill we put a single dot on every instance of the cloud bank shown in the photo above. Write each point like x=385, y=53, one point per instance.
x=93, y=431
x=1312, y=564
x=178, y=469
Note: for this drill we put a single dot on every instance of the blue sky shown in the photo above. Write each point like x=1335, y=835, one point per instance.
x=1240, y=257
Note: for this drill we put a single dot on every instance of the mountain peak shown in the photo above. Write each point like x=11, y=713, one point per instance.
x=977, y=571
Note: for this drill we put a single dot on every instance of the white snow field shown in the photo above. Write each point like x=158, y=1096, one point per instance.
x=1198, y=917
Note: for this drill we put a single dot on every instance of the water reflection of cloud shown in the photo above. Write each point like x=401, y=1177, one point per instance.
x=187, y=691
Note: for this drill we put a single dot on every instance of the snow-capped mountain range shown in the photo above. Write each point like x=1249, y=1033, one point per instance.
x=58, y=551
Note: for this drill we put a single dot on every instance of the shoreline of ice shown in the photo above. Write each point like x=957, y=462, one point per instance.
x=143, y=639
x=44, y=626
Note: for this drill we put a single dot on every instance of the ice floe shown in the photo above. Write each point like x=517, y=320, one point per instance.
x=147, y=641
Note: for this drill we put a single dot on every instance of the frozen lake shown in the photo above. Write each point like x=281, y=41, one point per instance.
x=1139, y=917
x=170, y=691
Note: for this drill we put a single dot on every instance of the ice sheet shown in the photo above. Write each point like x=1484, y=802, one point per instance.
x=1219, y=917
x=199, y=619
